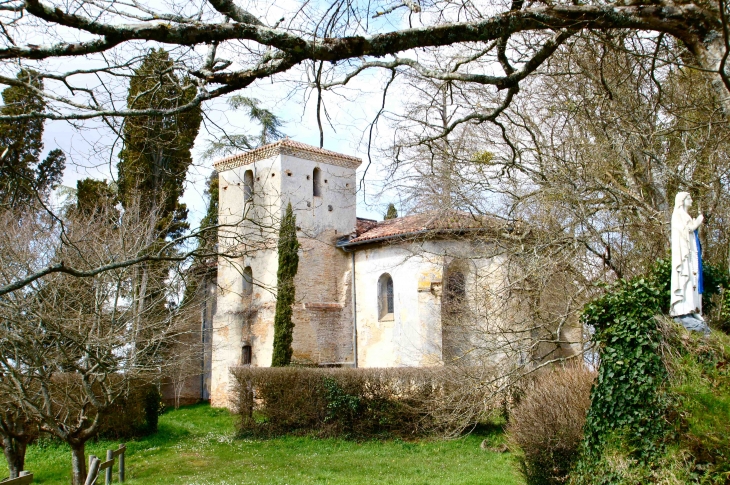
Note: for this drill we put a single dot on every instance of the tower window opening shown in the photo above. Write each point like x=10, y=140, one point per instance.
x=317, y=183
x=246, y=355
x=248, y=186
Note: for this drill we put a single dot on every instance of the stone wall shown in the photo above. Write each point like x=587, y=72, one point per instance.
x=322, y=312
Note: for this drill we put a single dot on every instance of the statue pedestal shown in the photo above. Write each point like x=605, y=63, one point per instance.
x=692, y=323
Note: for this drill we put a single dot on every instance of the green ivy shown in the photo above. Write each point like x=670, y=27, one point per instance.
x=627, y=401
x=341, y=406
x=631, y=409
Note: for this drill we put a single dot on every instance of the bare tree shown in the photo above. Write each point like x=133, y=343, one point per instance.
x=71, y=347
x=17, y=430
x=507, y=43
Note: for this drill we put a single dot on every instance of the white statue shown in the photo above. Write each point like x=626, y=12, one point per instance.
x=686, y=299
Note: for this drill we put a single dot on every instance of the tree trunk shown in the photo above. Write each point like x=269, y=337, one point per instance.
x=78, y=463
x=14, y=452
x=709, y=56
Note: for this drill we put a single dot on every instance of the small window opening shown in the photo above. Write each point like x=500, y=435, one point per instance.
x=288, y=173
x=247, y=288
x=329, y=208
x=248, y=186
x=386, y=300
x=246, y=355
x=273, y=174
x=325, y=180
x=454, y=294
x=317, y=183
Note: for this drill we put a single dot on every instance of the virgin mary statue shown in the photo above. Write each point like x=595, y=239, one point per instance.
x=686, y=296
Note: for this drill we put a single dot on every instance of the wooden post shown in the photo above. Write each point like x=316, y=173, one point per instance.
x=93, y=470
x=108, y=474
x=24, y=478
x=121, y=464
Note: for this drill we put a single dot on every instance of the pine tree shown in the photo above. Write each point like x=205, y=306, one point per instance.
x=156, y=154
x=22, y=178
x=391, y=213
x=288, y=265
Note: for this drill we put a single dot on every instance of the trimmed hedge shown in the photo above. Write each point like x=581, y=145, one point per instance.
x=134, y=414
x=355, y=403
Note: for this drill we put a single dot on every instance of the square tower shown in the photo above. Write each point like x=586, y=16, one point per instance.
x=255, y=188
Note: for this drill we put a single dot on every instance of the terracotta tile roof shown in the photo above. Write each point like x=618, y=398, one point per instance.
x=364, y=225
x=287, y=146
x=429, y=222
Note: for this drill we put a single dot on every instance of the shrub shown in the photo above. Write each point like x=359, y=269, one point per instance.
x=546, y=425
x=354, y=403
x=134, y=414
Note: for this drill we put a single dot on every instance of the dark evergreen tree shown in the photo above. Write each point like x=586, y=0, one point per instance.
x=288, y=265
x=156, y=154
x=22, y=178
x=209, y=237
x=94, y=195
x=391, y=213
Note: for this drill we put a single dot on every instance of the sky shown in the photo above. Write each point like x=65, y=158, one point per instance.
x=92, y=149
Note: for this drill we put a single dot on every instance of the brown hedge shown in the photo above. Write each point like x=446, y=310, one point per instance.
x=546, y=425
x=356, y=403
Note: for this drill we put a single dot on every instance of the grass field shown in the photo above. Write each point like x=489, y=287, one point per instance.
x=196, y=445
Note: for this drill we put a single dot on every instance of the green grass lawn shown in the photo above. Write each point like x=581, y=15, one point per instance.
x=197, y=445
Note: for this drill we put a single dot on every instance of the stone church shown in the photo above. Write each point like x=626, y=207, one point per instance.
x=368, y=293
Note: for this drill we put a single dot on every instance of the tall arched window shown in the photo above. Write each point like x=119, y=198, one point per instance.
x=317, y=183
x=454, y=295
x=386, y=301
x=247, y=289
x=248, y=186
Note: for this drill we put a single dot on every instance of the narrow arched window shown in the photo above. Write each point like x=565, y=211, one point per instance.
x=247, y=289
x=246, y=355
x=317, y=183
x=248, y=186
x=454, y=294
x=386, y=300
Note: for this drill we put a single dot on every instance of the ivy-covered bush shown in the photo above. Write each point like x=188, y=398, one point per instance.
x=634, y=411
x=626, y=399
x=134, y=414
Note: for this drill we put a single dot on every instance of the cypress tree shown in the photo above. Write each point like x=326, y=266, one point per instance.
x=22, y=177
x=156, y=154
x=391, y=213
x=288, y=265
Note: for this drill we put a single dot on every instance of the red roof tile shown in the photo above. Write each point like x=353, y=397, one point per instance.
x=289, y=147
x=436, y=221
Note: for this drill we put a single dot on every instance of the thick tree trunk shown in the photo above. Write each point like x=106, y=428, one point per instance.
x=78, y=463
x=14, y=452
x=709, y=56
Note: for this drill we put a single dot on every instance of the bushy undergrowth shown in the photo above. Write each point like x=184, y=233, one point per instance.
x=699, y=370
x=546, y=426
x=353, y=403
